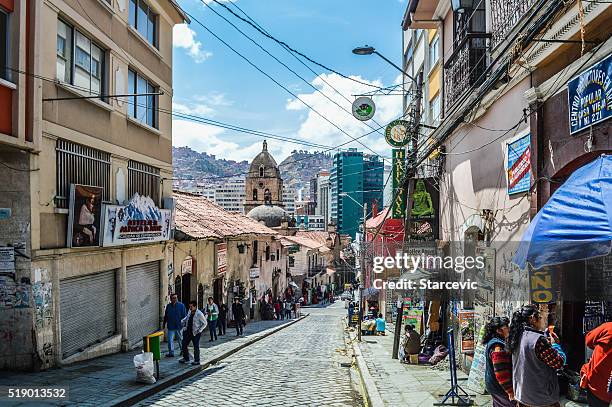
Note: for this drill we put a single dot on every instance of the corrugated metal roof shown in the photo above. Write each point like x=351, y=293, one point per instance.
x=306, y=242
x=200, y=218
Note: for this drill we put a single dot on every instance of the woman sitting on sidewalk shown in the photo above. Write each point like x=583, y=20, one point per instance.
x=410, y=344
x=535, y=359
x=498, y=373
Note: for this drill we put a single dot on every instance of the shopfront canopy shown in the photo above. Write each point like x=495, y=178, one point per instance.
x=576, y=222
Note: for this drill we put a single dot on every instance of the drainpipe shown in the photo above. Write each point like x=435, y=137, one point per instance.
x=123, y=311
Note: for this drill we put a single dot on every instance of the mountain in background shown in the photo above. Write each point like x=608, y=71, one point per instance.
x=191, y=168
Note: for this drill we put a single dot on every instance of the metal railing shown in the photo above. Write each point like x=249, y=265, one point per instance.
x=505, y=14
x=465, y=66
x=143, y=179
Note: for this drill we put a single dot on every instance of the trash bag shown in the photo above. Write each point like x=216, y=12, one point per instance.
x=439, y=354
x=145, y=369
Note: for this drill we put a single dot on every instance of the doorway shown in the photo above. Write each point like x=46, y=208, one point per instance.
x=186, y=289
x=218, y=290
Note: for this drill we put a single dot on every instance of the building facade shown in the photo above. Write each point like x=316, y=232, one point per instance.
x=506, y=99
x=289, y=198
x=77, y=282
x=323, y=207
x=231, y=195
x=356, y=179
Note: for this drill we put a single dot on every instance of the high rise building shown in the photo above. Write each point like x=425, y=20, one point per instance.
x=323, y=207
x=355, y=179
x=289, y=195
x=231, y=195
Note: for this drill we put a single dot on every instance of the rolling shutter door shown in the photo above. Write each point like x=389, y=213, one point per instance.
x=87, y=306
x=143, y=300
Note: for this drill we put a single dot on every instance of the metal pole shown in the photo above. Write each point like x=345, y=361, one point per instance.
x=409, y=192
x=363, y=274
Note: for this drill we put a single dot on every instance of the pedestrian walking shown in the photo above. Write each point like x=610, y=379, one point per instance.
x=351, y=311
x=596, y=375
x=381, y=325
x=277, y=308
x=222, y=322
x=536, y=356
x=212, y=315
x=282, y=308
x=288, y=310
x=173, y=315
x=194, y=324
x=239, y=317
x=498, y=369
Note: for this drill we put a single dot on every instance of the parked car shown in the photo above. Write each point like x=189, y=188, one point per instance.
x=346, y=295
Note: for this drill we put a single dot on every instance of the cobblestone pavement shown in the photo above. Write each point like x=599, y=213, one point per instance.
x=298, y=366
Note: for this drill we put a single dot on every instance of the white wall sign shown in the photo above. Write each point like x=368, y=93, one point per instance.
x=7, y=259
x=187, y=266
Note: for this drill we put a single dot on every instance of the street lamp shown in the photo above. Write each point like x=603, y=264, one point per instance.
x=362, y=259
x=367, y=50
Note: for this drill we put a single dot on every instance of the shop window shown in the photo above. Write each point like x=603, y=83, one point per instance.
x=142, y=108
x=144, y=179
x=144, y=20
x=79, y=61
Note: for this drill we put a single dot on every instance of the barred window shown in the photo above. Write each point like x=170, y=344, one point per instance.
x=143, y=179
x=78, y=164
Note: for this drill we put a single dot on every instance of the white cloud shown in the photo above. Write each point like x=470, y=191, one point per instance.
x=316, y=129
x=185, y=37
x=197, y=109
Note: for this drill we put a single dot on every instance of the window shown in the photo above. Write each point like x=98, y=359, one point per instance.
x=434, y=109
x=144, y=20
x=78, y=164
x=143, y=179
x=4, y=46
x=142, y=108
x=267, y=253
x=80, y=62
x=291, y=261
x=255, y=194
x=261, y=171
x=434, y=52
x=255, y=253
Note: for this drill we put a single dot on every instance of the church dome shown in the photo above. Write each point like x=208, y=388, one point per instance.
x=271, y=215
x=264, y=160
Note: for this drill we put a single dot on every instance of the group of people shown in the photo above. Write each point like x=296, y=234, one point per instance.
x=188, y=325
x=524, y=355
x=284, y=309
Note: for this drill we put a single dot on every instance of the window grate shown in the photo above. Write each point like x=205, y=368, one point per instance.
x=143, y=179
x=78, y=164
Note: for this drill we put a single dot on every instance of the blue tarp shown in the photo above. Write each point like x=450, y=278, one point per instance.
x=576, y=222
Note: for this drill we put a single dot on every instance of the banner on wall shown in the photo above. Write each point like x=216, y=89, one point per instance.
x=398, y=162
x=519, y=165
x=84, y=216
x=140, y=221
x=467, y=331
x=221, y=258
x=589, y=96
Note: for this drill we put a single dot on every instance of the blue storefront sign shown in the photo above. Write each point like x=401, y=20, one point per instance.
x=519, y=165
x=590, y=96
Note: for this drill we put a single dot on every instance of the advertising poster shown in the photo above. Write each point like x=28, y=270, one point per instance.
x=466, y=330
x=84, y=216
x=141, y=221
x=476, y=379
x=426, y=200
x=519, y=165
x=221, y=258
x=589, y=96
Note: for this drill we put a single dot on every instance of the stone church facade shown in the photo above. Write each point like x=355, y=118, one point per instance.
x=263, y=184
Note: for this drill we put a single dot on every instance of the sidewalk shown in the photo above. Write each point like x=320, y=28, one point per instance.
x=391, y=383
x=111, y=380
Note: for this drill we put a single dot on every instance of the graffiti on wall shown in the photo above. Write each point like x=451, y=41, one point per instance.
x=14, y=295
x=43, y=297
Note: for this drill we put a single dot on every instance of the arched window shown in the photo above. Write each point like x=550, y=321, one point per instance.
x=261, y=170
x=267, y=253
x=255, y=194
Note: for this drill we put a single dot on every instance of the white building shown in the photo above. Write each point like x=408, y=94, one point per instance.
x=289, y=200
x=323, y=197
x=230, y=195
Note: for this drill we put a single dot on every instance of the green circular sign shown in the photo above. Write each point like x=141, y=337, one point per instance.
x=396, y=133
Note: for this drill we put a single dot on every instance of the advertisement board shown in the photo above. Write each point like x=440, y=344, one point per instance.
x=84, y=216
x=141, y=221
x=519, y=165
x=467, y=331
x=398, y=163
x=221, y=258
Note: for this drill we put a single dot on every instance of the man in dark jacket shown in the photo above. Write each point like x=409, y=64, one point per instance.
x=174, y=313
x=222, y=318
x=238, y=313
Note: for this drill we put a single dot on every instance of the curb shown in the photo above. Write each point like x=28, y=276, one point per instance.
x=371, y=394
x=138, y=395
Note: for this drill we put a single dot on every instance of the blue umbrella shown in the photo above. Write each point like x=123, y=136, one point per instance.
x=576, y=222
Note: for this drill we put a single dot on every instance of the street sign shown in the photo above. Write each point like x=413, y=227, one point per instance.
x=397, y=133
x=398, y=168
x=519, y=165
x=364, y=108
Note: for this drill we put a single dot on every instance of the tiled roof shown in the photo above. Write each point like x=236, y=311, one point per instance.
x=200, y=218
x=306, y=242
x=316, y=235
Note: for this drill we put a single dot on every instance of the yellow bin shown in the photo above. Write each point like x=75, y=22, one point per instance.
x=152, y=343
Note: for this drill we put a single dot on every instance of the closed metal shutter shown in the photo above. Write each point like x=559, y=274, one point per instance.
x=87, y=307
x=143, y=300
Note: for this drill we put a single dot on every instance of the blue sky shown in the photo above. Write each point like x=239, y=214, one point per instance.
x=213, y=82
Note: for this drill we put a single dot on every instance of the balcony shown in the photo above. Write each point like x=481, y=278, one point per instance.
x=505, y=14
x=465, y=66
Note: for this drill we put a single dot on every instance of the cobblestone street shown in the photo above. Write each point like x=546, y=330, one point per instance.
x=300, y=365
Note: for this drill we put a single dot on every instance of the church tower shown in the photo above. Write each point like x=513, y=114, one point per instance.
x=263, y=184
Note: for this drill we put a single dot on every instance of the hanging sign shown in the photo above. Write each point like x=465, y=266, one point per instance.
x=589, y=96
x=141, y=221
x=363, y=108
x=398, y=162
x=519, y=165
x=396, y=133
x=187, y=266
x=542, y=285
